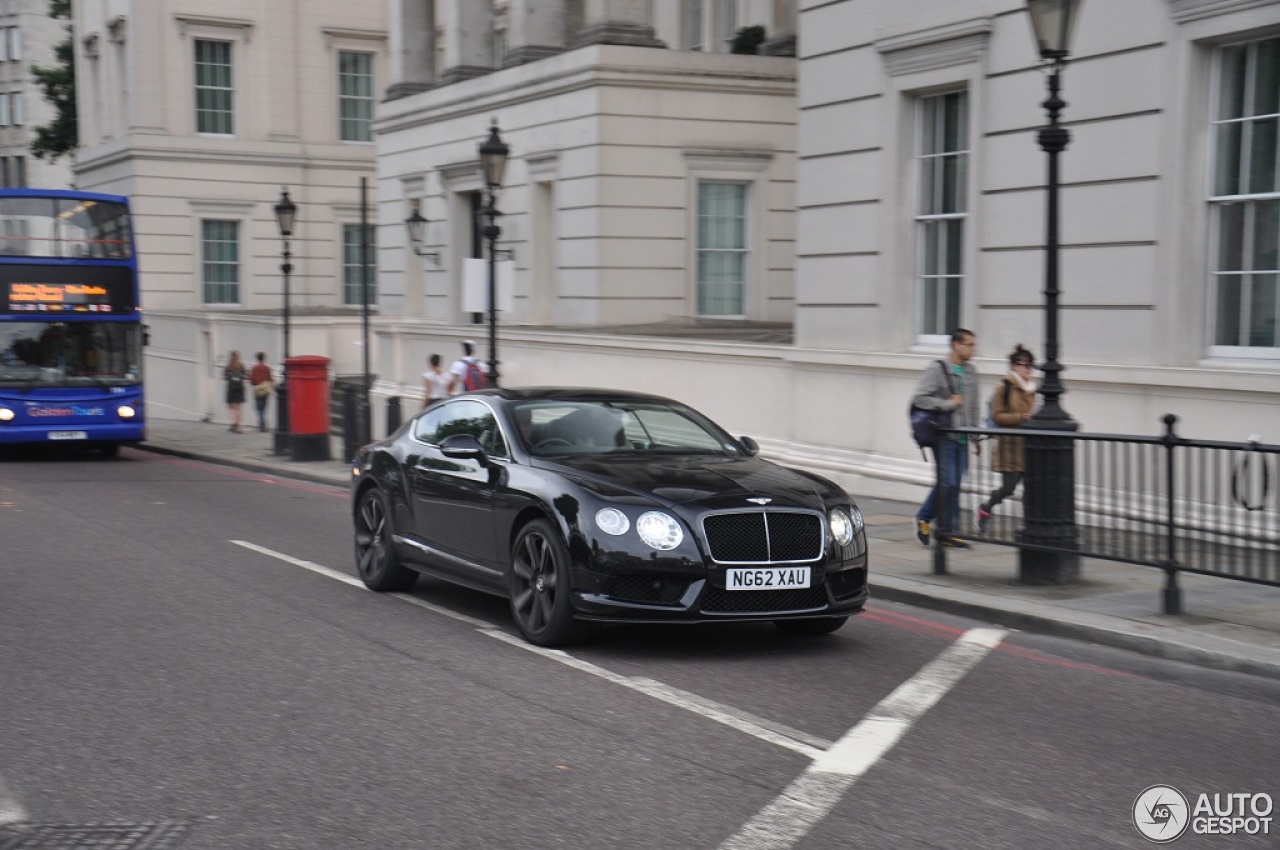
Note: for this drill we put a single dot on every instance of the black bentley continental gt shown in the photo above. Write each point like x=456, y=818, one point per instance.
x=585, y=505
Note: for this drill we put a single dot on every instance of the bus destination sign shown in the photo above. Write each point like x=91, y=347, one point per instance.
x=59, y=298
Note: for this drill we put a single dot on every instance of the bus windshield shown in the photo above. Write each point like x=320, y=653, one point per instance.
x=59, y=354
x=64, y=228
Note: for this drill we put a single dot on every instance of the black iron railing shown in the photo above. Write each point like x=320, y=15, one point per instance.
x=1182, y=505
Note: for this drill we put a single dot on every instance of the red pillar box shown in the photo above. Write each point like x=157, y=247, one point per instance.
x=308, y=406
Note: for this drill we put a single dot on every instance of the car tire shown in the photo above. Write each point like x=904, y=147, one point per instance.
x=376, y=560
x=539, y=581
x=814, y=626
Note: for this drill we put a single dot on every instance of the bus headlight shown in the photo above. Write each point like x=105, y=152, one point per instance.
x=126, y=411
x=6, y=415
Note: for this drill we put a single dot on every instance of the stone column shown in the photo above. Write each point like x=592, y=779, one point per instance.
x=618, y=22
x=468, y=39
x=536, y=29
x=413, y=35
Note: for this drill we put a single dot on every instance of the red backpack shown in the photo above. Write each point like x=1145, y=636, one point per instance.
x=474, y=377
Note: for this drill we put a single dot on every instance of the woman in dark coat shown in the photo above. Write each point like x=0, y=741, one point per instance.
x=234, y=375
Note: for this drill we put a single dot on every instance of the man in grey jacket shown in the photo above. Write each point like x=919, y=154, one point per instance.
x=950, y=385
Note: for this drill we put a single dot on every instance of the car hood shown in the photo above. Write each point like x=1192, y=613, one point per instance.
x=709, y=480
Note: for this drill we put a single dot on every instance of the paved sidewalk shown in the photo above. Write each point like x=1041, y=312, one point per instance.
x=1229, y=625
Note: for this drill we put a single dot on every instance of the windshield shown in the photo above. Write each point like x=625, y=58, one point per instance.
x=560, y=428
x=64, y=227
x=58, y=354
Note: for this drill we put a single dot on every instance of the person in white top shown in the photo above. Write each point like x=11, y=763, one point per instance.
x=465, y=364
x=435, y=381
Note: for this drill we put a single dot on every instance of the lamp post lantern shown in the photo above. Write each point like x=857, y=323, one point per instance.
x=493, y=161
x=416, y=225
x=1050, y=461
x=286, y=212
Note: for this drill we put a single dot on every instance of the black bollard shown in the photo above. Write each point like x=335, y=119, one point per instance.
x=393, y=414
x=350, y=422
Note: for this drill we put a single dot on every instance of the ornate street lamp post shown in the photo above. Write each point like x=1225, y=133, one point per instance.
x=1050, y=462
x=286, y=211
x=493, y=161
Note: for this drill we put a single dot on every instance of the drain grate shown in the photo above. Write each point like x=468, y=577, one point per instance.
x=160, y=835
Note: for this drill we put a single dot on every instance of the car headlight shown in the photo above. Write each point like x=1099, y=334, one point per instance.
x=844, y=524
x=659, y=530
x=612, y=521
x=126, y=411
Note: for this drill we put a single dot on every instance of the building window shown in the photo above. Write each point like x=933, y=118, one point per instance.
x=728, y=22
x=4, y=110
x=16, y=116
x=722, y=248
x=693, y=30
x=214, y=87
x=941, y=209
x=220, y=254
x=352, y=268
x=355, y=96
x=20, y=171
x=1245, y=202
x=14, y=38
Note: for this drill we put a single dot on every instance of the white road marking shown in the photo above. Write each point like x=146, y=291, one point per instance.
x=306, y=565
x=835, y=768
x=11, y=810
x=809, y=799
x=773, y=734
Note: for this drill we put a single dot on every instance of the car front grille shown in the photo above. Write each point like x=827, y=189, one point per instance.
x=719, y=601
x=763, y=537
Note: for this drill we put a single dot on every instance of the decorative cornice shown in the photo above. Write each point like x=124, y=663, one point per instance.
x=542, y=165
x=187, y=21
x=333, y=34
x=1183, y=11
x=728, y=159
x=938, y=47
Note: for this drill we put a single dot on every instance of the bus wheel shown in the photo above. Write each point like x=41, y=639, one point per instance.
x=109, y=450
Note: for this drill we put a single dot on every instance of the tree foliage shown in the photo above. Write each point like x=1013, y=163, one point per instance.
x=748, y=40
x=58, y=82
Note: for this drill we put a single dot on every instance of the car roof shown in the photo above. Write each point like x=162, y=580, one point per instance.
x=567, y=394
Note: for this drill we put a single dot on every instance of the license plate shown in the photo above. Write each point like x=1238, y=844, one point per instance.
x=68, y=435
x=767, y=578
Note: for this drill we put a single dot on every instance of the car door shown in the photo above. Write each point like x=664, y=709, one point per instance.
x=453, y=499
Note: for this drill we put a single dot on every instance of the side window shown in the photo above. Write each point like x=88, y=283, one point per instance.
x=463, y=417
x=427, y=426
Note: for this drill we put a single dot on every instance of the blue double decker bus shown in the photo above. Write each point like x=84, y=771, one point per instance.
x=71, y=330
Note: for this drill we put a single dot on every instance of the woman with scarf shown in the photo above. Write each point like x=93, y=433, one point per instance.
x=1012, y=404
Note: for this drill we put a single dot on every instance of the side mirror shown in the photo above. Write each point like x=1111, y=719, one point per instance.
x=462, y=447
x=752, y=447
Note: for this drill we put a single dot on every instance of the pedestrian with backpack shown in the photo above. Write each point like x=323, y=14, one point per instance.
x=1012, y=404
x=469, y=372
x=949, y=386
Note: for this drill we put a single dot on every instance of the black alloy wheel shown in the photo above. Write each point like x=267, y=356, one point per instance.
x=539, y=585
x=813, y=626
x=376, y=560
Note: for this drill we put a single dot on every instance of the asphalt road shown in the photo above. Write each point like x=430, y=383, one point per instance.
x=184, y=650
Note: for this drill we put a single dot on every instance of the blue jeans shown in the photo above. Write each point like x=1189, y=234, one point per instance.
x=953, y=465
